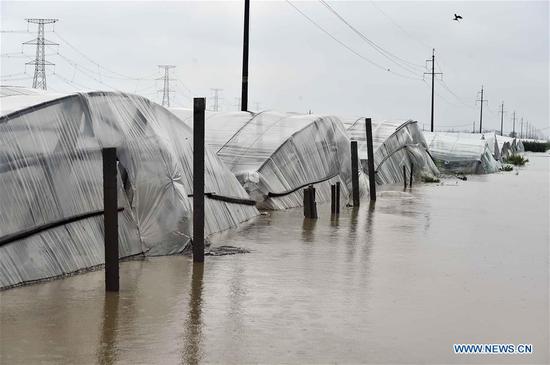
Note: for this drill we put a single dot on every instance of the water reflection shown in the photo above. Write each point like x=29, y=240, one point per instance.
x=308, y=227
x=108, y=349
x=193, y=325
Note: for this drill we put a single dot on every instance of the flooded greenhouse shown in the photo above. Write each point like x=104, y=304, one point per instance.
x=274, y=155
x=463, y=153
x=51, y=182
x=274, y=182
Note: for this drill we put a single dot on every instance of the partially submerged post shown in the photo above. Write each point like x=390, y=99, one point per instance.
x=411, y=177
x=332, y=199
x=110, y=218
x=338, y=197
x=404, y=177
x=370, y=161
x=354, y=173
x=310, y=206
x=199, y=105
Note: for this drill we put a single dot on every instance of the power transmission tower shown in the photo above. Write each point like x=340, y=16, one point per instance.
x=481, y=110
x=166, y=84
x=216, y=98
x=433, y=73
x=40, y=63
x=501, y=118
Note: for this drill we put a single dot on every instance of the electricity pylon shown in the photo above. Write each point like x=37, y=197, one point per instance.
x=40, y=63
x=166, y=84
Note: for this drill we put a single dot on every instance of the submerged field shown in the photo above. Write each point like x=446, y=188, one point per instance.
x=398, y=282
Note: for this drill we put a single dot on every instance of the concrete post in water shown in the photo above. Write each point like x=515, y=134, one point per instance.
x=338, y=197
x=404, y=177
x=332, y=199
x=199, y=105
x=411, y=177
x=354, y=173
x=370, y=162
x=110, y=218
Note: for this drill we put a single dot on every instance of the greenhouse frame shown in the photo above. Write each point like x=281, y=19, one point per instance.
x=51, y=221
x=275, y=155
x=396, y=144
x=461, y=153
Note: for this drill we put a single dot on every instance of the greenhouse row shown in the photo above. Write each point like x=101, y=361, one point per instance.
x=51, y=192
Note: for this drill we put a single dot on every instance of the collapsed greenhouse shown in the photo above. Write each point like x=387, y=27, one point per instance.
x=395, y=144
x=51, y=221
x=509, y=146
x=274, y=155
x=463, y=153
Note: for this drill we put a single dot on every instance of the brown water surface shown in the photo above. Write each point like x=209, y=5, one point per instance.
x=398, y=282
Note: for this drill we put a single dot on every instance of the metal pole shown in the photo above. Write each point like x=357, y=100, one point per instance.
x=433, y=76
x=110, y=218
x=370, y=161
x=501, y=118
x=481, y=112
x=244, y=90
x=354, y=174
x=199, y=105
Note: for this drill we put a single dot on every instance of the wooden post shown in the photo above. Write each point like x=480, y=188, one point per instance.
x=313, y=208
x=338, y=197
x=354, y=173
x=404, y=177
x=110, y=218
x=332, y=199
x=199, y=105
x=307, y=203
x=370, y=161
x=411, y=177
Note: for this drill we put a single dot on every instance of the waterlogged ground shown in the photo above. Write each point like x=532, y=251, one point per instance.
x=400, y=282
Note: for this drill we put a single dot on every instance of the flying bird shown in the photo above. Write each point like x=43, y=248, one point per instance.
x=457, y=18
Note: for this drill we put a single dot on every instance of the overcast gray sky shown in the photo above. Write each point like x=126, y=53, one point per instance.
x=294, y=66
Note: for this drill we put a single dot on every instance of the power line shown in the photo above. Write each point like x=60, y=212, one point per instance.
x=346, y=46
x=391, y=57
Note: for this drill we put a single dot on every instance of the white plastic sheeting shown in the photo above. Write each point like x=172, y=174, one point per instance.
x=51, y=190
x=491, y=138
x=465, y=153
x=509, y=146
x=395, y=144
x=274, y=155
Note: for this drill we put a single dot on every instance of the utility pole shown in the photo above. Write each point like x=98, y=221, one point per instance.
x=216, y=99
x=237, y=104
x=514, y=125
x=474, y=127
x=433, y=73
x=166, y=84
x=481, y=111
x=244, y=90
x=39, y=62
x=501, y=118
x=521, y=130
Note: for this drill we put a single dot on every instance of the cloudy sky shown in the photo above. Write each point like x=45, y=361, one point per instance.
x=294, y=65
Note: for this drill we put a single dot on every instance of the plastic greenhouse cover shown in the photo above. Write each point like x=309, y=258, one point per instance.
x=274, y=155
x=51, y=190
x=466, y=153
x=395, y=144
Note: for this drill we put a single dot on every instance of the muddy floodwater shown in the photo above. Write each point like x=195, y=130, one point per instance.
x=398, y=282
